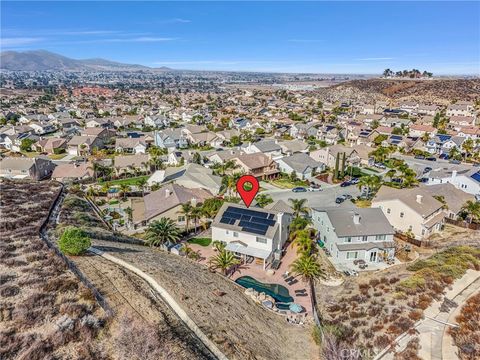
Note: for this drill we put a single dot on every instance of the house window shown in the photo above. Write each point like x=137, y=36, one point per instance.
x=388, y=211
x=423, y=231
x=235, y=234
x=261, y=240
x=364, y=238
x=410, y=228
x=352, y=254
x=380, y=237
x=227, y=232
x=402, y=214
x=181, y=219
x=348, y=239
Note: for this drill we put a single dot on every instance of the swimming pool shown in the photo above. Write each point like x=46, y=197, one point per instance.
x=278, y=292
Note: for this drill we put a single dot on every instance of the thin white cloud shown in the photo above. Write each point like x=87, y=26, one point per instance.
x=18, y=41
x=88, y=32
x=305, y=41
x=141, y=39
x=376, y=59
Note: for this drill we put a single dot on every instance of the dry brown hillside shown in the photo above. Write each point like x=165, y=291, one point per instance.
x=439, y=91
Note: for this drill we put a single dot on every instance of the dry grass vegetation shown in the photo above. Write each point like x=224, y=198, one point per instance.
x=467, y=335
x=374, y=309
x=47, y=313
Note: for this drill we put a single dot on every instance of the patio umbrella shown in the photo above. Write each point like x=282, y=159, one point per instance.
x=295, y=308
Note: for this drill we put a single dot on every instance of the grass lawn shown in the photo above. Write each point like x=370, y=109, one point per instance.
x=30, y=154
x=372, y=170
x=363, y=203
x=200, y=241
x=57, y=156
x=287, y=184
x=127, y=181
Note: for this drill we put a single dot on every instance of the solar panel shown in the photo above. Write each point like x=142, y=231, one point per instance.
x=254, y=231
x=225, y=220
x=396, y=137
x=476, y=176
x=271, y=216
x=444, y=138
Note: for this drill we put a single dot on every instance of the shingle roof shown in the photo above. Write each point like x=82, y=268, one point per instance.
x=372, y=222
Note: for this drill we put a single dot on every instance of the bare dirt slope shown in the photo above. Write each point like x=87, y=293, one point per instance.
x=438, y=91
x=242, y=329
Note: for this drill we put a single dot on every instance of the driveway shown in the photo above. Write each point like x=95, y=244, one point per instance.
x=319, y=199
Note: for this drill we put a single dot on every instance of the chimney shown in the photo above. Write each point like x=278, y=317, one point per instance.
x=280, y=220
x=356, y=218
x=194, y=201
x=419, y=199
x=167, y=193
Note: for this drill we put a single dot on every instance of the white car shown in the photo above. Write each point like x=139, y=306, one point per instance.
x=314, y=188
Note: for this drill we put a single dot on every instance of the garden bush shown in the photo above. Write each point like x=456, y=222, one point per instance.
x=74, y=241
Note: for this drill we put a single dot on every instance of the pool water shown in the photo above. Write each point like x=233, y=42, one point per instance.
x=278, y=292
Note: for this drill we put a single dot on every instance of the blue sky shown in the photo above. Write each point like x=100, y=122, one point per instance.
x=323, y=37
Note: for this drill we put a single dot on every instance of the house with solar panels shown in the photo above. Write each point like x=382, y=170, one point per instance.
x=467, y=179
x=252, y=233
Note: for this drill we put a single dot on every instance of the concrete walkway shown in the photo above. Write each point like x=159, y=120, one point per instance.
x=432, y=329
x=168, y=299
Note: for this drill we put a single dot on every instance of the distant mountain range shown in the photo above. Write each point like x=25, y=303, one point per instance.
x=41, y=60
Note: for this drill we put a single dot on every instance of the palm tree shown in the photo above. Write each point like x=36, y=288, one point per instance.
x=263, y=200
x=124, y=188
x=141, y=184
x=129, y=212
x=390, y=173
x=224, y=260
x=307, y=267
x=91, y=192
x=468, y=146
x=370, y=182
x=186, y=210
x=298, y=206
x=304, y=242
x=162, y=231
x=196, y=214
x=409, y=177
x=472, y=209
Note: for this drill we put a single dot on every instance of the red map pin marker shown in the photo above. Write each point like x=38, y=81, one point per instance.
x=247, y=195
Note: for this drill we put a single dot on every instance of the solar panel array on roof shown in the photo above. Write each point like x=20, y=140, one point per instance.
x=444, y=138
x=476, y=176
x=252, y=221
x=364, y=133
x=396, y=137
x=329, y=127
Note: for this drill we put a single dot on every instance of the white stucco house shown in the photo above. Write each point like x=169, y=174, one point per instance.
x=467, y=180
x=252, y=232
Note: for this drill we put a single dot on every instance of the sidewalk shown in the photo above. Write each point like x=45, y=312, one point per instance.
x=432, y=329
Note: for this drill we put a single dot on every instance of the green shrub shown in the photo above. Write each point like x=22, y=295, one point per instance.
x=74, y=241
x=200, y=241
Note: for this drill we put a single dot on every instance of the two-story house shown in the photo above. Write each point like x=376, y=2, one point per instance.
x=358, y=234
x=255, y=232
x=412, y=210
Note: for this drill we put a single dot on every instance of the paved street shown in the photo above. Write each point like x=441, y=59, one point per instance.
x=320, y=199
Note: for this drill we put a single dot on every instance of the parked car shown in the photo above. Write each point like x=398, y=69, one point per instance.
x=427, y=169
x=443, y=156
x=299, y=189
x=380, y=165
x=339, y=199
x=346, y=183
x=456, y=162
x=431, y=158
x=347, y=196
x=355, y=181
x=314, y=188
x=420, y=157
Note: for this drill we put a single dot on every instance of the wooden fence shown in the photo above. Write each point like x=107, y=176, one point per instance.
x=419, y=243
x=463, y=224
